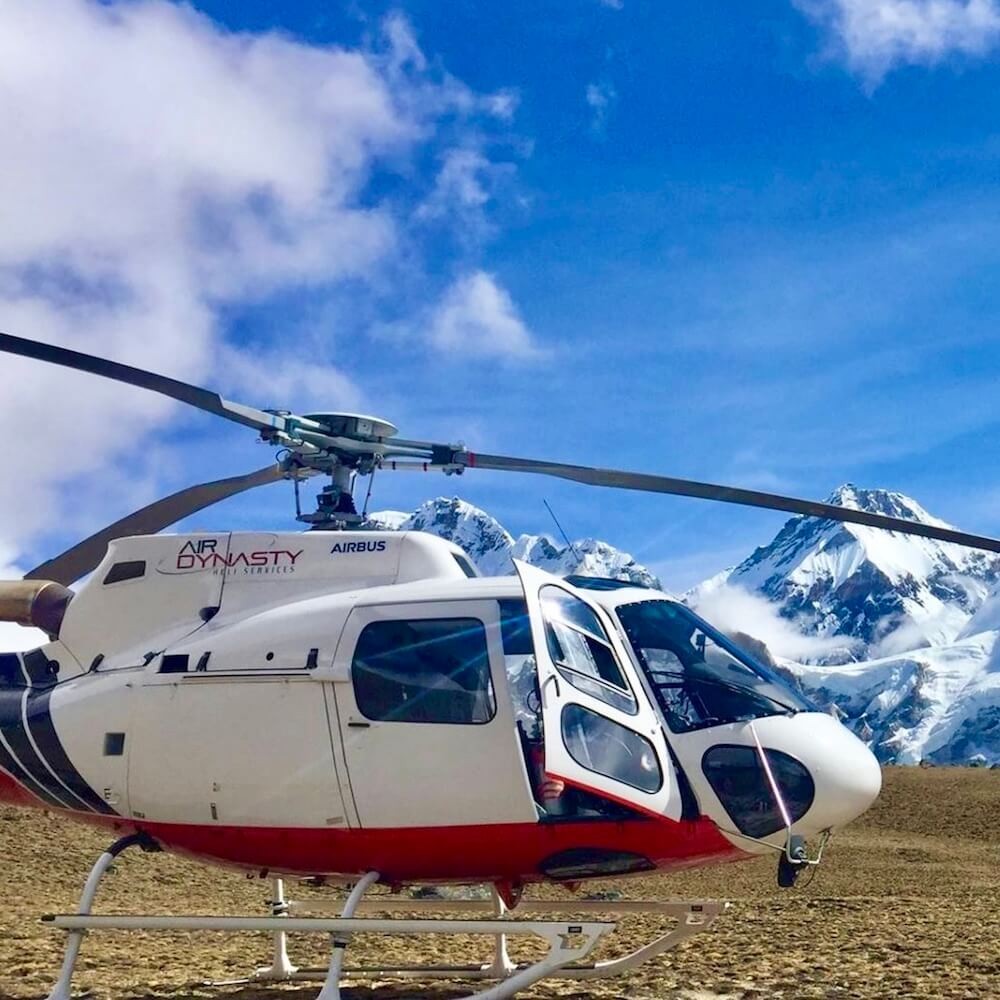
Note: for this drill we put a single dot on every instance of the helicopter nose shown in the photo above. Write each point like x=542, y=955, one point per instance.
x=846, y=774
x=848, y=777
x=825, y=774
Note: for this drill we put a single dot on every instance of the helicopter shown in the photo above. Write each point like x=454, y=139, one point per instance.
x=356, y=706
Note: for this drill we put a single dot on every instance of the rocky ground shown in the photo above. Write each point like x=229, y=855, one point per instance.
x=904, y=906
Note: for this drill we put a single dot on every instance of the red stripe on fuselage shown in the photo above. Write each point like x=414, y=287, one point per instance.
x=513, y=851
x=15, y=794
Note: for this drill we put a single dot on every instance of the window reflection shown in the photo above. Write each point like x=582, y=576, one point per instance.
x=738, y=778
x=424, y=670
x=581, y=650
x=607, y=748
x=701, y=678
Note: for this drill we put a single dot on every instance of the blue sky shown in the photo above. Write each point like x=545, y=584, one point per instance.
x=750, y=243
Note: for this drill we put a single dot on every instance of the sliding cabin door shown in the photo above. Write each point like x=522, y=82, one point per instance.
x=425, y=717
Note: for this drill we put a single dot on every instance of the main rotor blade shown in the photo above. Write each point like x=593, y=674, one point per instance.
x=86, y=555
x=727, y=494
x=193, y=395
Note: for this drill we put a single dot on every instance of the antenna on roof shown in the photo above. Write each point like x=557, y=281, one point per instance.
x=569, y=544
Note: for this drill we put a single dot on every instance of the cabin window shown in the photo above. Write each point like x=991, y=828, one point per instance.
x=607, y=748
x=122, y=571
x=519, y=661
x=424, y=670
x=581, y=650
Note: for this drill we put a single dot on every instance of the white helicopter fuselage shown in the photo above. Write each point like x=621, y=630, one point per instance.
x=343, y=702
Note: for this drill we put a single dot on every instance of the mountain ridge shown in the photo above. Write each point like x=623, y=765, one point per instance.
x=885, y=590
x=492, y=548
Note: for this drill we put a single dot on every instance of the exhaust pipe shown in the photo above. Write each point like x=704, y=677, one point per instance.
x=38, y=603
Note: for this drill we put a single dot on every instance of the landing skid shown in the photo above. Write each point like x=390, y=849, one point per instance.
x=569, y=942
x=691, y=918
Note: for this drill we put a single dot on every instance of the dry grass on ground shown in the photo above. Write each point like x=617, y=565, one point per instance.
x=905, y=906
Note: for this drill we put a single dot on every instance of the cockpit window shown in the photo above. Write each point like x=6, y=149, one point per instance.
x=581, y=650
x=700, y=677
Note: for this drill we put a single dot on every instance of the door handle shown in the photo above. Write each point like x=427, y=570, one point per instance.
x=551, y=679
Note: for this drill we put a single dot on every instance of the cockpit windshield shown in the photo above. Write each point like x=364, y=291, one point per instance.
x=700, y=677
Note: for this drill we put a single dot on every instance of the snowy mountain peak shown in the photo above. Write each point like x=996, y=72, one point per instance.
x=492, y=548
x=910, y=609
x=585, y=557
x=391, y=520
x=879, y=501
x=482, y=536
x=888, y=590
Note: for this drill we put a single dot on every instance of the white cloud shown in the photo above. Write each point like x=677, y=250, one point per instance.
x=909, y=636
x=461, y=180
x=274, y=376
x=406, y=51
x=874, y=36
x=734, y=609
x=502, y=104
x=600, y=97
x=464, y=187
x=159, y=169
x=477, y=317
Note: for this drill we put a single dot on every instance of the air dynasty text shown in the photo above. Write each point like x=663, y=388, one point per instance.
x=201, y=554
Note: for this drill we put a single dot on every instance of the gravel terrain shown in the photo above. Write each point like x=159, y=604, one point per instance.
x=905, y=906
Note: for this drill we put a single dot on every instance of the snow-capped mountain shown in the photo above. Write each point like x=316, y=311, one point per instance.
x=918, y=673
x=492, y=548
x=586, y=557
x=898, y=635
x=886, y=591
x=487, y=543
x=940, y=703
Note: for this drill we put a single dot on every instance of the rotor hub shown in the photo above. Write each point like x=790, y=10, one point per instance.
x=354, y=425
x=332, y=443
